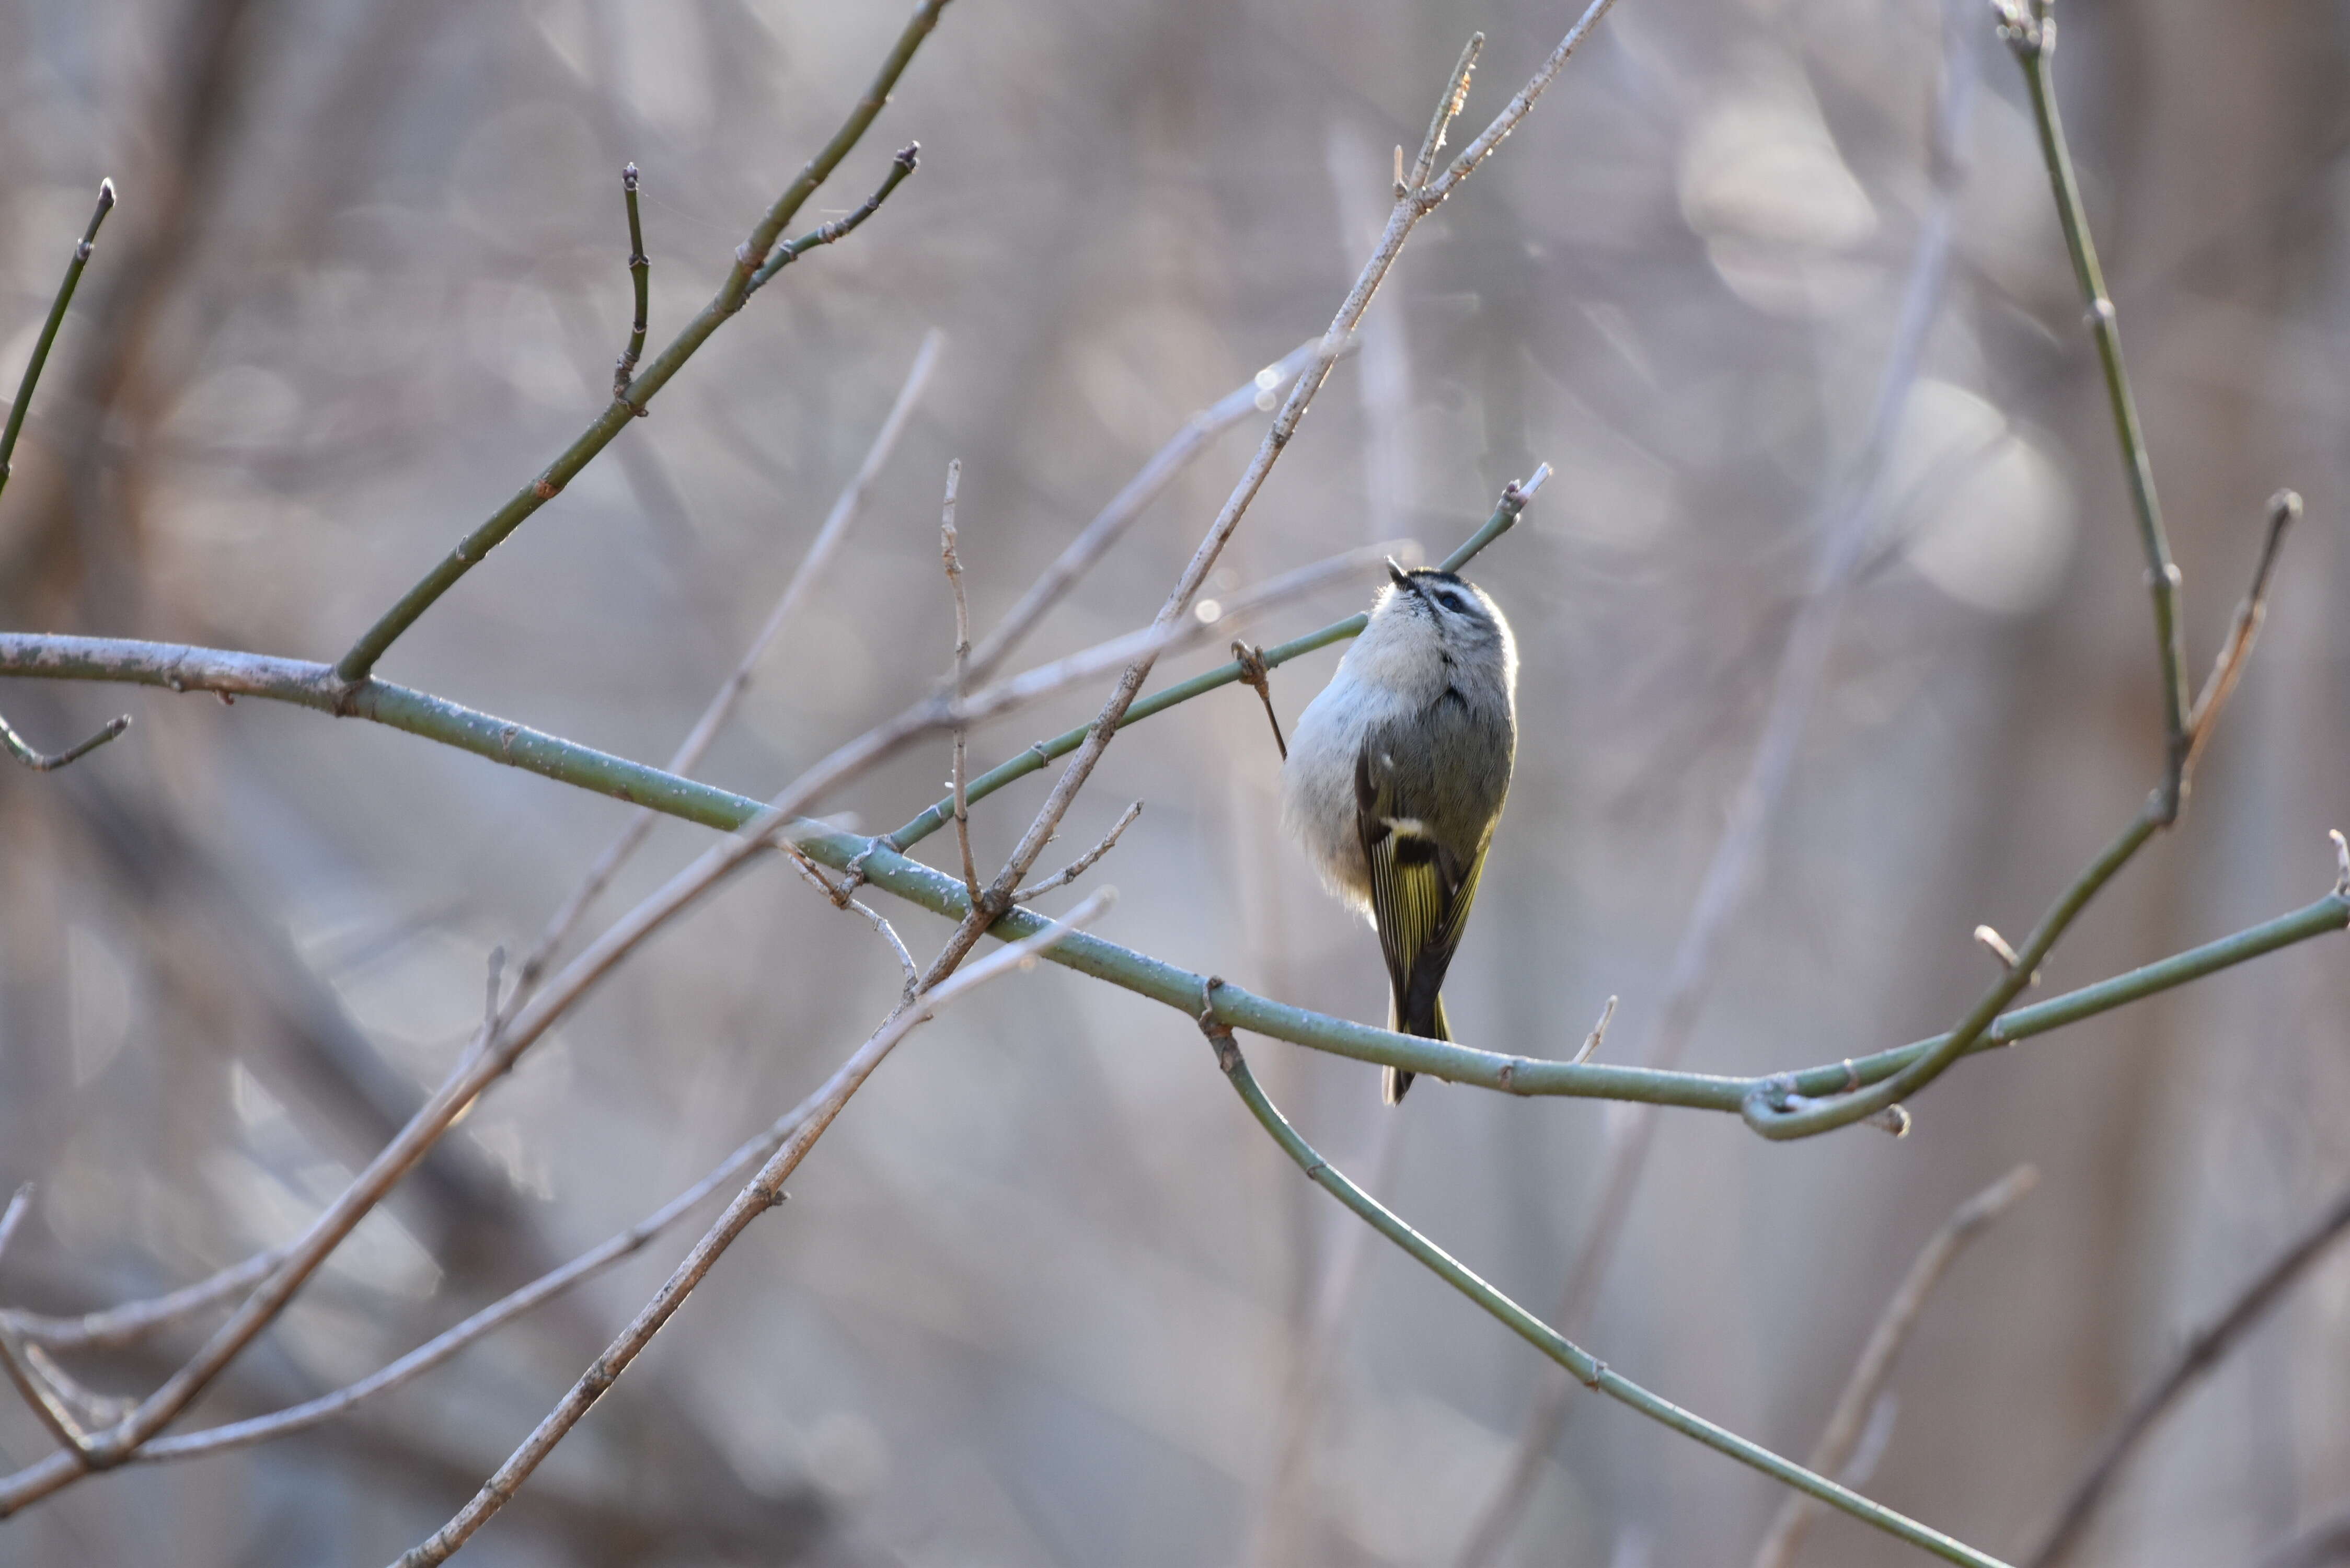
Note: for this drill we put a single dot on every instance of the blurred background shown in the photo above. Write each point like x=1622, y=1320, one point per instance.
x=1043, y=1295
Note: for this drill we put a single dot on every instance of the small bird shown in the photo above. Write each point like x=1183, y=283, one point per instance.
x=1397, y=774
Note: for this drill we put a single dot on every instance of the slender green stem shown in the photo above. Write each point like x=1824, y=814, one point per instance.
x=2032, y=37
x=315, y=686
x=641, y=277
x=1587, y=1368
x=1506, y=516
x=356, y=665
x=50, y=328
x=902, y=165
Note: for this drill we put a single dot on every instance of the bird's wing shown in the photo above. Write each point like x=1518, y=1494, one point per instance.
x=1420, y=889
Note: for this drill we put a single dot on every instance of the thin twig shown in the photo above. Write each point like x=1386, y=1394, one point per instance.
x=1083, y=863
x=1580, y=1363
x=49, y=762
x=763, y=1192
x=1253, y=675
x=903, y=164
x=2284, y=507
x=1598, y=1033
x=57, y=315
x=1252, y=396
x=837, y=522
x=750, y=257
x=1841, y=1437
x=2030, y=33
x=640, y=279
x=842, y=899
x=961, y=674
x=129, y=1322
x=2203, y=1350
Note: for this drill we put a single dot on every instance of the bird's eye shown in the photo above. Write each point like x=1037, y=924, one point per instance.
x=1451, y=602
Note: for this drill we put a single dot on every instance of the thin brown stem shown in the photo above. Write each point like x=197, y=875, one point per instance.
x=962, y=677
x=1840, y=1439
x=1083, y=863
x=2284, y=508
x=1255, y=395
x=2203, y=1350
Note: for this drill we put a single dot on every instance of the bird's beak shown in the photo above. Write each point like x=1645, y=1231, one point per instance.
x=1397, y=575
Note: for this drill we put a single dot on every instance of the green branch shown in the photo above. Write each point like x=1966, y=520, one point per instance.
x=1587, y=1368
x=2030, y=33
x=741, y=279
x=50, y=328
x=315, y=686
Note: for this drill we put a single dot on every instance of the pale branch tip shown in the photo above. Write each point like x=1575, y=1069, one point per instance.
x=1083, y=863
x=42, y=762
x=1591, y=1042
x=2340, y=863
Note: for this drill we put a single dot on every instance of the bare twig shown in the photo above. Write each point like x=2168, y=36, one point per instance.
x=728, y=695
x=32, y=377
x=763, y=1192
x=1083, y=863
x=751, y=258
x=2284, y=507
x=640, y=279
x=962, y=675
x=49, y=762
x=1841, y=1437
x=1598, y=1033
x=904, y=164
x=1254, y=676
x=2203, y=1350
x=131, y=1321
x=1252, y=396
x=842, y=899
x=2030, y=33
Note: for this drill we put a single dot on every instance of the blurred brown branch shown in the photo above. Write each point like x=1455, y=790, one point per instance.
x=1840, y=1439
x=2204, y=1349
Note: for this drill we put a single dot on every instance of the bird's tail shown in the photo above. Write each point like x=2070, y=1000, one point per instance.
x=1432, y=1027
